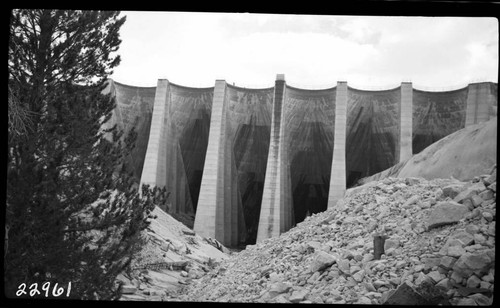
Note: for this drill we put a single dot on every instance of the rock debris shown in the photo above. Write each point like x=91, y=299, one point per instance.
x=439, y=249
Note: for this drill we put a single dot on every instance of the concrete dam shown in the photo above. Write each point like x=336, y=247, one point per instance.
x=249, y=164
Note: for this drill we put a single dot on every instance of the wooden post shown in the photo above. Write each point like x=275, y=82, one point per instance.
x=378, y=246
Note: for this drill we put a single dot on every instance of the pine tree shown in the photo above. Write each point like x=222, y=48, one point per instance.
x=72, y=212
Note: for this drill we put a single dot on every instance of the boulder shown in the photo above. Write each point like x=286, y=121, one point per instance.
x=321, y=261
x=473, y=282
x=359, y=275
x=446, y=212
x=488, y=216
x=469, y=263
x=477, y=200
x=363, y=300
x=470, y=191
x=444, y=284
x=432, y=294
x=413, y=199
x=344, y=266
x=315, y=245
x=452, y=190
x=463, y=236
x=380, y=283
x=466, y=302
x=436, y=276
x=404, y=295
x=278, y=288
x=128, y=289
x=492, y=178
x=481, y=299
x=369, y=286
x=455, y=251
x=486, y=195
x=298, y=295
x=447, y=262
x=472, y=229
x=391, y=243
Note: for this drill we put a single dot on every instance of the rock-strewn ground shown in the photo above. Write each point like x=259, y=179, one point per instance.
x=172, y=256
x=439, y=248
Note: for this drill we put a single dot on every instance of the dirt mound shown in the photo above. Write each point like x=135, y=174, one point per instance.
x=463, y=155
x=439, y=240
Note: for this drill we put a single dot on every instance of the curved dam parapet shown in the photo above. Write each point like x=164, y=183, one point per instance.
x=248, y=164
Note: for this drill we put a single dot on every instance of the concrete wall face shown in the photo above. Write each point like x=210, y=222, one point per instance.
x=248, y=127
x=481, y=103
x=309, y=119
x=186, y=125
x=436, y=115
x=251, y=163
x=134, y=109
x=373, y=132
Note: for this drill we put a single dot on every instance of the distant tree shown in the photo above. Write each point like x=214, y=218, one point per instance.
x=72, y=213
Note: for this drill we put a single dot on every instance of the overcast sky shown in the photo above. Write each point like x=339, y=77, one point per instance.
x=313, y=51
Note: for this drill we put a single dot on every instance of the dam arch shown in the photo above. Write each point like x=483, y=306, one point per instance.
x=248, y=164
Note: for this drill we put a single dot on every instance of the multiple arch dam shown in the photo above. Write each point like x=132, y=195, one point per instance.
x=249, y=164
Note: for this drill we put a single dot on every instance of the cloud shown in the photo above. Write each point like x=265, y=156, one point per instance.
x=194, y=49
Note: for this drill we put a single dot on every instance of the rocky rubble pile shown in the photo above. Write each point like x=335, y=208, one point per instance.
x=172, y=256
x=439, y=248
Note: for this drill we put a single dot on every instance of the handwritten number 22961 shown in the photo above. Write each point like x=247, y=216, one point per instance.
x=33, y=290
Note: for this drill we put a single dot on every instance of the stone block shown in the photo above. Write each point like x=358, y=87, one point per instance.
x=473, y=282
x=446, y=212
x=298, y=295
x=436, y=276
x=278, y=288
x=477, y=200
x=481, y=299
x=447, y=262
x=344, y=266
x=452, y=190
x=469, y=263
x=444, y=284
x=455, y=251
x=472, y=229
x=129, y=289
x=486, y=195
x=469, y=191
x=321, y=261
x=391, y=243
